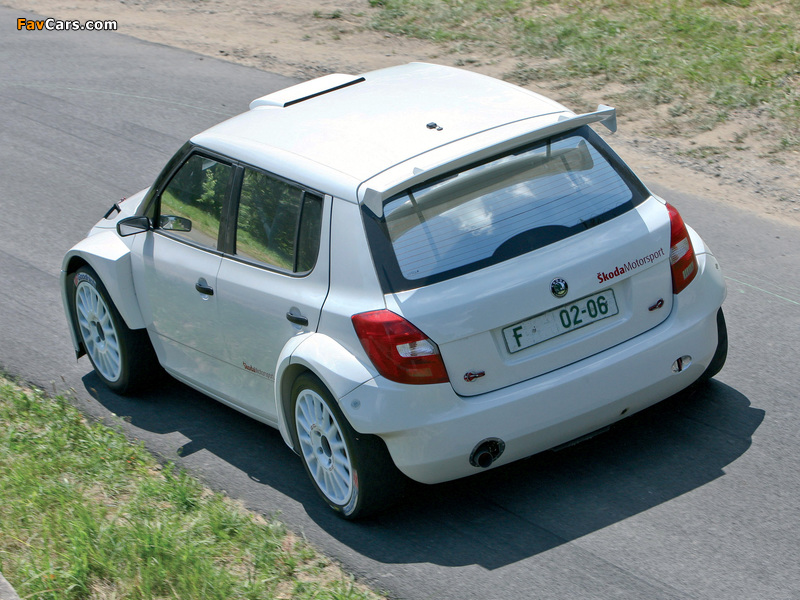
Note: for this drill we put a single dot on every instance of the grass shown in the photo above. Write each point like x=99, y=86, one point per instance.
x=704, y=58
x=85, y=514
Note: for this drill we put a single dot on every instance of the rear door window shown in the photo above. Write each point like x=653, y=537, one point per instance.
x=278, y=224
x=498, y=209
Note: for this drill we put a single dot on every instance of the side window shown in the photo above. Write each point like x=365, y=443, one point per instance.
x=308, y=240
x=191, y=204
x=278, y=224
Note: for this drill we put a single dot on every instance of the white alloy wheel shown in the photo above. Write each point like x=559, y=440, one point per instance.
x=98, y=331
x=353, y=472
x=123, y=358
x=323, y=447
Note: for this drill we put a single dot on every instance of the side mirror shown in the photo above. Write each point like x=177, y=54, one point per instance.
x=132, y=225
x=173, y=223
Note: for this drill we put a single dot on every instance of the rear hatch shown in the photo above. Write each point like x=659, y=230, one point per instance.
x=505, y=322
x=527, y=263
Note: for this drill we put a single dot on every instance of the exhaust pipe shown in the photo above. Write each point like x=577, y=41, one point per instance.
x=486, y=452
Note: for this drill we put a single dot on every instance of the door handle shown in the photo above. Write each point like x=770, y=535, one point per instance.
x=203, y=287
x=297, y=319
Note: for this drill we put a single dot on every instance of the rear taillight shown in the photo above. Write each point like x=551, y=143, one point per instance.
x=681, y=252
x=399, y=351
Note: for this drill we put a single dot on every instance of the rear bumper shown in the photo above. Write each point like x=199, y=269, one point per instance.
x=430, y=431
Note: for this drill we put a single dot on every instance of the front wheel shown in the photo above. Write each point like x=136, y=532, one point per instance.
x=122, y=357
x=352, y=472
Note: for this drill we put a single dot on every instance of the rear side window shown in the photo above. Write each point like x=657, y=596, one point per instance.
x=278, y=224
x=498, y=209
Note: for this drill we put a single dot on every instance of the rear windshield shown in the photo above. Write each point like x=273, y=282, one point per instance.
x=498, y=209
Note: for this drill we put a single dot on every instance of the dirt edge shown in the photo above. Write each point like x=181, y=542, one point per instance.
x=308, y=38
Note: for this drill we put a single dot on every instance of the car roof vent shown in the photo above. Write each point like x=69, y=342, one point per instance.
x=306, y=90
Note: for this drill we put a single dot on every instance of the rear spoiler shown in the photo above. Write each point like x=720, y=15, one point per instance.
x=606, y=115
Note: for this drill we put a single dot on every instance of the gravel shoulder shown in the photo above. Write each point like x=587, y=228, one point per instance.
x=309, y=38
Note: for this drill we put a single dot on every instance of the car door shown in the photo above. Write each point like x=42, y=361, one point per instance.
x=273, y=283
x=176, y=269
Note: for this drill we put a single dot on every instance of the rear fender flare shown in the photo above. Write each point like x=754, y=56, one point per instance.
x=338, y=369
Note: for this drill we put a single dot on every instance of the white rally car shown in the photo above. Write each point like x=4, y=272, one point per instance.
x=419, y=269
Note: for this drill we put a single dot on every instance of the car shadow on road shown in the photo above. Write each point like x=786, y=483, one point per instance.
x=497, y=517
x=186, y=422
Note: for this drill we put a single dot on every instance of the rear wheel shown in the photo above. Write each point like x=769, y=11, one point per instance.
x=122, y=357
x=716, y=364
x=352, y=472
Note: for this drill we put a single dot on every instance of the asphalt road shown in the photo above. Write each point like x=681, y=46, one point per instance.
x=696, y=498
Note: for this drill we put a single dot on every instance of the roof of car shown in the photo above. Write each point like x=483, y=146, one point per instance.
x=344, y=129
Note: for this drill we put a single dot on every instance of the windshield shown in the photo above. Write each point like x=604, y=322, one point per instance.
x=498, y=209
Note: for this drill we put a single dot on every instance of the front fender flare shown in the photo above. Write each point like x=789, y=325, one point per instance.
x=338, y=369
x=110, y=257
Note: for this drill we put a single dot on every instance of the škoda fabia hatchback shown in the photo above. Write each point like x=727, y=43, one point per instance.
x=419, y=269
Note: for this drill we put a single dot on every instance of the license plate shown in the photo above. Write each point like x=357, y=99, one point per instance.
x=560, y=320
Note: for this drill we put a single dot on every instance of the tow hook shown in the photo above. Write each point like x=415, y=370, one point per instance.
x=473, y=375
x=681, y=364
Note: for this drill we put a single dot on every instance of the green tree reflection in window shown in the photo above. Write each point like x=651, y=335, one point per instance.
x=269, y=217
x=197, y=192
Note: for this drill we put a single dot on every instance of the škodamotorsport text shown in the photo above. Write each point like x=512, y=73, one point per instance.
x=629, y=266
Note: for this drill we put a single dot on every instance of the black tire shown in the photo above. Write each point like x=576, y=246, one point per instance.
x=352, y=472
x=721, y=354
x=123, y=358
